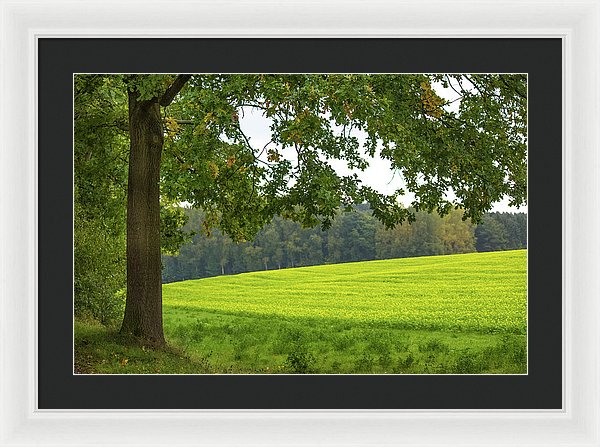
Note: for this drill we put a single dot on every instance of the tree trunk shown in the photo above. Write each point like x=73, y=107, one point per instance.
x=143, y=307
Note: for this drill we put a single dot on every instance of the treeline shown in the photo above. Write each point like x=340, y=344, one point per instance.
x=353, y=236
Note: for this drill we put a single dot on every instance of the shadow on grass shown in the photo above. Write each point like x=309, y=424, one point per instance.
x=102, y=350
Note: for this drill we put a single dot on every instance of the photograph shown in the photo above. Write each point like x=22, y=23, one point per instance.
x=300, y=223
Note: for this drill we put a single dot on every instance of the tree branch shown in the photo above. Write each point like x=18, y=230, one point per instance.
x=168, y=96
x=452, y=86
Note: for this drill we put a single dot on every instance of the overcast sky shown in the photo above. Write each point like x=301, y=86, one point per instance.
x=378, y=175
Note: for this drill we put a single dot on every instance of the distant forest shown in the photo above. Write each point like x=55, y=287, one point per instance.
x=353, y=236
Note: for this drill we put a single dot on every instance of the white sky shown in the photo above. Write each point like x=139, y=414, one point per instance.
x=378, y=175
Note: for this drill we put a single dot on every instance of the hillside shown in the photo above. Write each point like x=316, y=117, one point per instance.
x=476, y=291
x=455, y=314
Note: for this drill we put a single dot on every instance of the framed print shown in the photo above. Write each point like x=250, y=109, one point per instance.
x=49, y=397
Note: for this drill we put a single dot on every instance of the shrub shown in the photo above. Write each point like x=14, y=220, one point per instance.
x=433, y=345
x=100, y=272
x=365, y=363
x=467, y=363
x=404, y=364
x=385, y=360
x=300, y=360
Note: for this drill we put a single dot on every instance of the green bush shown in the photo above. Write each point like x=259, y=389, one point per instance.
x=365, y=363
x=433, y=345
x=405, y=364
x=300, y=360
x=467, y=362
x=100, y=270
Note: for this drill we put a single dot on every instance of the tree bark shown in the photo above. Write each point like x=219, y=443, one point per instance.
x=143, y=307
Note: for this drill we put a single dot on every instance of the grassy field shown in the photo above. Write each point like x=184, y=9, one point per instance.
x=444, y=314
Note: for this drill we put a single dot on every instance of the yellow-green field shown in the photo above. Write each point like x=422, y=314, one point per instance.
x=484, y=292
x=443, y=314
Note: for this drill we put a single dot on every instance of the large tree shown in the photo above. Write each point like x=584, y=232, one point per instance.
x=187, y=143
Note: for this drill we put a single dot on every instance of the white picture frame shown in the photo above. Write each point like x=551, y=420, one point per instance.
x=576, y=23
